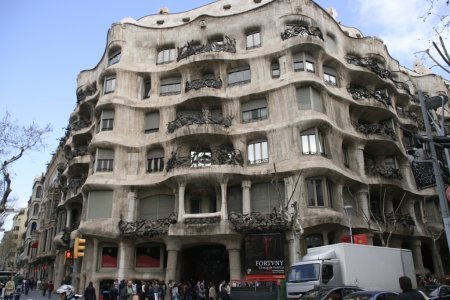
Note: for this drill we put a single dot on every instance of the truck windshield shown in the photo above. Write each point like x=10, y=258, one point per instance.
x=306, y=272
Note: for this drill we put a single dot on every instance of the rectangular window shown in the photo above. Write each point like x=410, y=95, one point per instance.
x=390, y=162
x=329, y=75
x=303, y=62
x=170, y=86
x=155, y=164
x=151, y=122
x=109, y=84
x=319, y=192
x=239, y=75
x=254, y=110
x=109, y=257
x=148, y=257
x=312, y=142
x=275, y=67
x=369, y=163
x=309, y=98
x=114, y=58
x=104, y=160
x=166, y=56
x=253, y=40
x=99, y=205
x=107, y=120
x=147, y=88
x=258, y=153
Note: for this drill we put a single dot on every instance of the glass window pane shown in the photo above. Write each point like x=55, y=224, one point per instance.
x=305, y=144
x=249, y=41
x=319, y=192
x=309, y=66
x=311, y=194
x=258, y=151
x=312, y=144
x=257, y=39
x=251, y=153
x=265, y=152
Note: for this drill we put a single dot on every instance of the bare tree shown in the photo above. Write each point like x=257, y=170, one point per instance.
x=15, y=141
x=7, y=245
x=438, y=15
x=381, y=223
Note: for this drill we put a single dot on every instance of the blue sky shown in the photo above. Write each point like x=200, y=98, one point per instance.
x=46, y=43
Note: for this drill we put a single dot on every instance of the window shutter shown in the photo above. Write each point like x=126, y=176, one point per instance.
x=152, y=121
x=254, y=104
x=330, y=71
x=317, y=104
x=234, y=201
x=100, y=204
x=155, y=153
x=170, y=80
x=156, y=207
x=105, y=154
x=107, y=114
x=304, y=98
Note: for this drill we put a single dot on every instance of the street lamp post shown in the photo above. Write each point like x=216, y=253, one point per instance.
x=436, y=168
x=347, y=209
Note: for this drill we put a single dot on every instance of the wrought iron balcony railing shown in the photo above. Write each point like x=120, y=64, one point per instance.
x=392, y=218
x=423, y=174
x=383, y=171
x=360, y=92
x=201, y=118
x=255, y=222
x=202, y=83
x=297, y=30
x=80, y=124
x=229, y=45
x=146, y=228
x=375, y=128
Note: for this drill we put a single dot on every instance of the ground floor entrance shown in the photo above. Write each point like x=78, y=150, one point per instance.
x=206, y=262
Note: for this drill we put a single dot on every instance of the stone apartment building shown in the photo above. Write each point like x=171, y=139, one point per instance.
x=200, y=130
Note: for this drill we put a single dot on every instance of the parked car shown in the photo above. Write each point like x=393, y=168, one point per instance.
x=441, y=292
x=372, y=295
x=323, y=293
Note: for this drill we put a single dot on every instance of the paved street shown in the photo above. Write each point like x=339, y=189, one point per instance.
x=37, y=295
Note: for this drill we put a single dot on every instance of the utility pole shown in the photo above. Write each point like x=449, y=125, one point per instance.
x=436, y=168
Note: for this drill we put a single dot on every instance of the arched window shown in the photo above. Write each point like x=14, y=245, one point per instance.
x=39, y=192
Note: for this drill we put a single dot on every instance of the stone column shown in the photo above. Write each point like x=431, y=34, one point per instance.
x=126, y=256
x=181, y=212
x=246, y=207
x=360, y=159
x=417, y=256
x=224, y=207
x=173, y=249
x=131, y=215
x=293, y=242
x=234, y=257
x=437, y=262
x=362, y=198
x=60, y=264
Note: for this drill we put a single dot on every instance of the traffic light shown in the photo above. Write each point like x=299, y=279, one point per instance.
x=78, y=247
x=68, y=257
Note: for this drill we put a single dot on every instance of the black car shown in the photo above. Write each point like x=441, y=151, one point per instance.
x=372, y=295
x=322, y=293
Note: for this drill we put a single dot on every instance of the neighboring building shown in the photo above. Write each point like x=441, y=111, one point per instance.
x=18, y=234
x=31, y=240
x=197, y=130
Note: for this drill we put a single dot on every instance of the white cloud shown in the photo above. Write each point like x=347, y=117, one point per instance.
x=398, y=24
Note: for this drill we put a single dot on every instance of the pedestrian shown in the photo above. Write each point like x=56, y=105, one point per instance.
x=114, y=293
x=212, y=292
x=170, y=286
x=10, y=288
x=106, y=291
x=44, y=287
x=50, y=288
x=27, y=287
x=89, y=292
x=408, y=293
x=175, y=294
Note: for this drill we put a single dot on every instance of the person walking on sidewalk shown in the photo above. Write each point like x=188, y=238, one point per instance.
x=10, y=288
x=44, y=287
x=50, y=288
